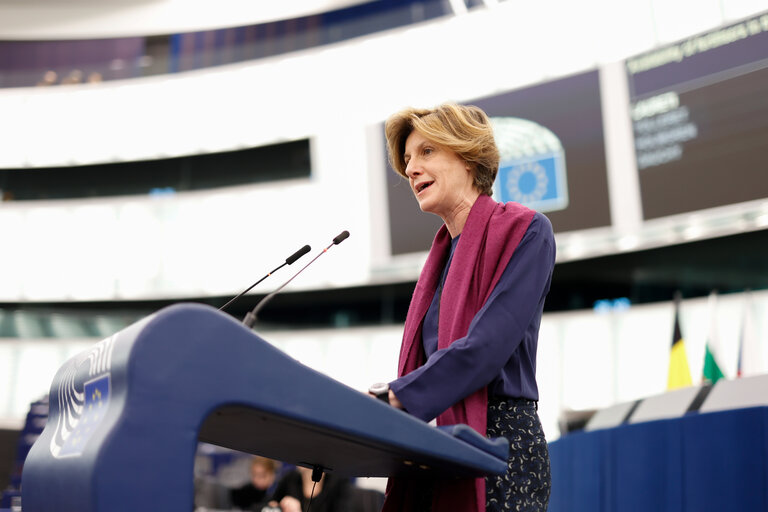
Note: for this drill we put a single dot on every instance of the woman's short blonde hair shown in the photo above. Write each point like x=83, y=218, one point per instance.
x=465, y=129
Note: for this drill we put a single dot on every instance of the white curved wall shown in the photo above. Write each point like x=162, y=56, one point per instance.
x=357, y=82
x=143, y=247
x=91, y=19
x=189, y=245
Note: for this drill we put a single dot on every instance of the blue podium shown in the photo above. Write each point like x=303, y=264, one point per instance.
x=126, y=416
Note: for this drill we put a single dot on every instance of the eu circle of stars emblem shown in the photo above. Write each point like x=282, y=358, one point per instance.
x=94, y=408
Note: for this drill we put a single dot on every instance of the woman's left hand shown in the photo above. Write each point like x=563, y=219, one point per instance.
x=392, y=398
x=393, y=401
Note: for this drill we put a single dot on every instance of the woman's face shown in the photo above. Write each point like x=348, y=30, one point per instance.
x=439, y=178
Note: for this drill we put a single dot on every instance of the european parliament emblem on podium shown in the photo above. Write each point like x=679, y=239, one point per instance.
x=84, y=403
x=95, y=405
x=532, y=165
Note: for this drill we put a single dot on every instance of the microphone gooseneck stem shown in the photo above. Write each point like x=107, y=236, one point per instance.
x=233, y=299
x=288, y=261
x=250, y=318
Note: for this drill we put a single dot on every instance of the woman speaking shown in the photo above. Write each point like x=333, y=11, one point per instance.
x=469, y=346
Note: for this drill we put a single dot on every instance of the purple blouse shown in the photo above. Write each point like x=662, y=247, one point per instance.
x=499, y=349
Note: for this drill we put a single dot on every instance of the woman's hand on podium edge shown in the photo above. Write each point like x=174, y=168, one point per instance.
x=391, y=398
x=394, y=402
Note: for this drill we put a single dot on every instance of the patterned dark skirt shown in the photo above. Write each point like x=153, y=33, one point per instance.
x=526, y=485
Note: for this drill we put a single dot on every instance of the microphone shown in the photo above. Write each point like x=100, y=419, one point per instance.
x=250, y=318
x=339, y=238
x=288, y=261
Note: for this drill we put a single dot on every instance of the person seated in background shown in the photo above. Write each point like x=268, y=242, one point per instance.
x=95, y=77
x=74, y=77
x=255, y=494
x=49, y=78
x=331, y=493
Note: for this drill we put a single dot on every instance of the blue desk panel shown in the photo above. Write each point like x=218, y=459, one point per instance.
x=701, y=462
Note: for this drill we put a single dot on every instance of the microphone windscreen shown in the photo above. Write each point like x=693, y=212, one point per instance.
x=298, y=254
x=341, y=237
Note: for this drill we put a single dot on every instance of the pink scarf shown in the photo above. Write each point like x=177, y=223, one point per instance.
x=489, y=238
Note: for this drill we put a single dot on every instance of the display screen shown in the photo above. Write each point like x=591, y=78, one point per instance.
x=700, y=120
x=550, y=137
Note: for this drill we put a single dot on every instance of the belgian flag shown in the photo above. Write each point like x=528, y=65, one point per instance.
x=679, y=375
